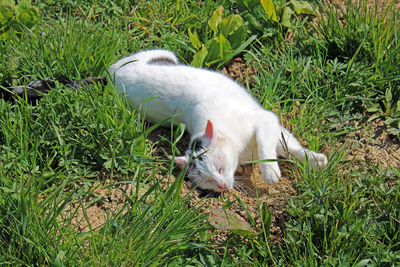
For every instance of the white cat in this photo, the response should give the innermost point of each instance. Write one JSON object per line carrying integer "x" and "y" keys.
{"x": 227, "y": 125}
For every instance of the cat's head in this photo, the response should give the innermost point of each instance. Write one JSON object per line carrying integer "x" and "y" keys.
{"x": 212, "y": 161}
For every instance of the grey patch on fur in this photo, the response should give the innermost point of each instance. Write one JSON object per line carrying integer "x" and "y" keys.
{"x": 197, "y": 145}
{"x": 162, "y": 61}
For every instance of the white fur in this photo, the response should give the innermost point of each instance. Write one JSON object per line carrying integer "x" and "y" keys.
{"x": 242, "y": 129}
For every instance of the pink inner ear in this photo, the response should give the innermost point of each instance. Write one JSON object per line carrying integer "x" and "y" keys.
{"x": 209, "y": 130}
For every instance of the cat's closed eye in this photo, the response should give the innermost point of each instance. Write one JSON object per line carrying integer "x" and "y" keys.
{"x": 198, "y": 145}
{"x": 193, "y": 165}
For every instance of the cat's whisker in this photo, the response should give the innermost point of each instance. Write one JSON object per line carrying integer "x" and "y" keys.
{"x": 239, "y": 188}
{"x": 243, "y": 188}
{"x": 249, "y": 189}
{"x": 242, "y": 178}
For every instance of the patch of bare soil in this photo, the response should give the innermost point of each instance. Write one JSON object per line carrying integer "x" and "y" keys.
{"x": 239, "y": 70}
{"x": 102, "y": 203}
{"x": 370, "y": 145}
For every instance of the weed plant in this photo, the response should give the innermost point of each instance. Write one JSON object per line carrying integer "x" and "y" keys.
{"x": 54, "y": 153}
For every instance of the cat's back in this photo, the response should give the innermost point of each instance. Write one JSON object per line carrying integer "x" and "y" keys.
{"x": 162, "y": 76}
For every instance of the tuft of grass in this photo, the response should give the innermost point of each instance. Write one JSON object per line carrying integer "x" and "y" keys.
{"x": 66, "y": 49}
{"x": 7, "y": 65}
{"x": 149, "y": 232}
{"x": 368, "y": 37}
{"x": 68, "y": 139}
{"x": 339, "y": 221}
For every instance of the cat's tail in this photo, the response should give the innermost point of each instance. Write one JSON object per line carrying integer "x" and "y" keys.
{"x": 289, "y": 146}
{"x": 147, "y": 57}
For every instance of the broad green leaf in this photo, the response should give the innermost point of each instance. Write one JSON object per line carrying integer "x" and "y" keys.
{"x": 213, "y": 51}
{"x": 6, "y": 14}
{"x": 245, "y": 4}
{"x": 194, "y": 39}
{"x": 286, "y": 17}
{"x": 58, "y": 262}
{"x": 269, "y": 9}
{"x": 398, "y": 106}
{"x": 224, "y": 46}
{"x": 392, "y": 121}
{"x": 29, "y": 17}
{"x": 394, "y": 131}
{"x": 238, "y": 37}
{"x": 3, "y": 37}
{"x": 253, "y": 23}
{"x": 216, "y": 19}
{"x": 251, "y": 4}
{"x": 7, "y": 35}
{"x": 218, "y": 47}
{"x": 199, "y": 57}
{"x": 302, "y": 7}
{"x": 374, "y": 116}
{"x": 363, "y": 263}
{"x": 227, "y": 220}
{"x": 374, "y": 107}
{"x": 231, "y": 24}
{"x": 388, "y": 96}
{"x": 237, "y": 50}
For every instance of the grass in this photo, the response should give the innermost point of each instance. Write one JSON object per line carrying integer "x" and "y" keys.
{"x": 53, "y": 154}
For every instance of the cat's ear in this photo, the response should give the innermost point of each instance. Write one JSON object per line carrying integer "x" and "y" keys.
{"x": 181, "y": 162}
{"x": 209, "y": 130}
{"x": 209, "y": 136}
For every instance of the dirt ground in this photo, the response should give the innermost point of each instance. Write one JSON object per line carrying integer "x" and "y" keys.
{"x": 369, "y": 144}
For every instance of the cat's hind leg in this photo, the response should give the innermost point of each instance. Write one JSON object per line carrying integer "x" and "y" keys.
{"x": 288, "y": 145}
{"x": 267, "y": 135}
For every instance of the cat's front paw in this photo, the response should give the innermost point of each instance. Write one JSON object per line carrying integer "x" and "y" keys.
{"x": 318, "y": 159}
{"x": 270, "y": 172}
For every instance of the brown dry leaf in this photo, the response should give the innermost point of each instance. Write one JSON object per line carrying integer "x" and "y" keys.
{"x": 222, "y": 219}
